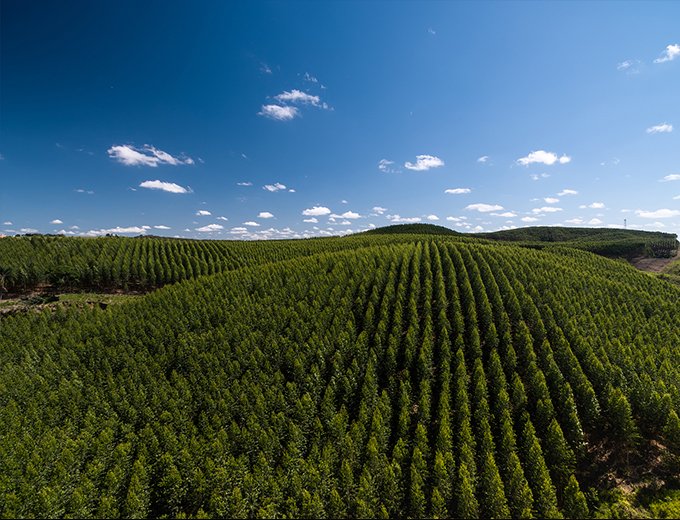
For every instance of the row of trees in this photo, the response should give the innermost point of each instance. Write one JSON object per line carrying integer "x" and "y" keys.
{"x": 408, "y": 378}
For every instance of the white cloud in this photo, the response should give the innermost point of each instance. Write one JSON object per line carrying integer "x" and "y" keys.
{"x": 203, "y": 212}
{"x": 567, "y": 192}
{"x": 274, "y": 187}
{"x": 56, "y": 221}
{"x": 165, "y": 186}
{"x": 278, "y": 113}
{"x": 546, "y": 209}
{"x": 659, "y": 213}
{"x": 210, "y": 228}
{"x": 507, "y": 214}
{"x": 251, "y": 223}
{"x": 596, "y": 205}
{"x": 222, "y": 218}
{"x": 453, "y": 219}
{"x": 529, "y": 219}
{"x": 671, "y": 177}
{"x": 544, "y": 157}
{"x": 656, "y": 224}
{"x": 483, "y": 159}
{"x": 307, "y": 77}
{"x": 244, "y": 183}
{"x": 296, "y": 96}
{"x": 291, "y": 191}
{"x": 624, "y": 65}
{"x": 161, "y": 227}
{"x": 239, "y": 230}
{"x": 312, "y": 220}
{"x": 660, "y": 128}
{"x": 118, "y": 229}
{"x": 594, "y": 221}
{"x": 379, "y": 210}
{"x": 265, "y": 68}
{"x": 550, "y": 200}
{"x": 484, "y": 207}
{"x": 316, "y": 211}
{"x": 265, "y": 214}
{"x": 675, "y": 198}
{"x": 397, "y": 218}
{"x": 671, "y": 52}
{"x": 146, "y": 156}
{"x": 30, "y": 230}
{"x": 458, "y": 191}
{"x": 384, "y": 165}
{"x": 432, "y": 217}
{"x": 350, "y": 214}
{"x": 575, "y": 221}
{"x": 424, "y": 162}
{"x": 8, "y": 223}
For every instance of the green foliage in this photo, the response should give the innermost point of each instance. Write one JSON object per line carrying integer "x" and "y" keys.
{"x": 369, "y": 376}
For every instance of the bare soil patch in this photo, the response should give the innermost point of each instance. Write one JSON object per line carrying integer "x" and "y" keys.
{"x": 652, "y": 265}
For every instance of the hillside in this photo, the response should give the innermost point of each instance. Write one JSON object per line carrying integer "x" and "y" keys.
{"x": 359, "y": 377}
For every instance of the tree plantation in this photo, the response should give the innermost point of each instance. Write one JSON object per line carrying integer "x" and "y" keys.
{"x": 370, "y": 376}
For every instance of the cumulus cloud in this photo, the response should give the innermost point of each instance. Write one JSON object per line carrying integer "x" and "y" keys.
{"x": 458, "y": 191}
{"x": 350, "y": 214}
{"x": 145, "y": 156}
{"x": 251, "y": 223}
{"x": 278, "y": 113}
{"x": 541, "y": 156}
{"x": 379, "y": 210}
{"x": 8, "y": 223}
{"x": 484, "y": 207}
{"x": 222, "y": 218}
{"x": 575, "y": 221}
{"x": 210, "y": 228}
{"x": 316, "y": 211}
{"x": 671, "y": 177}
{"x": 161, "y": 227}
{"x": 546, "y": 209}
{"x": 424, "y": 163}
{"x": 56, "y": 221}
{"x": 119, "y": 230}
{"x": 164, "y": 186}
{"x": 529, "y": 219}
{"x": 483, "y": 159}
{"x": 659, "y": 213}
{"x": 594, "y": 221}
{"x": 596, "y": 205}
{"x": 550, "y": 200}
{"x": 295, "y": 96}
{"x": 312, "y": 220}
{"x": 660, "y": 128}
{"x": 671, "y": 52}
{"x": 397, "y": 218}
{"x": 507, "y": 214}
{"x": 203, "y": 212}
{"x": 265, "y": 214}
{"x": 432, "y": 217}
{"x": 567, "y": 192}
{"x": 274, "y": 187}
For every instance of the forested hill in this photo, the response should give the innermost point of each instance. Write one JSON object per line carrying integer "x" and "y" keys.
{"x": 408, "y": 377}
{"x": 413, "y": 229}
{"x": 569, "y": 234}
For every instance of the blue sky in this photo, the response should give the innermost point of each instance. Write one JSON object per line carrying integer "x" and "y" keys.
{"x": 240, "y": 120}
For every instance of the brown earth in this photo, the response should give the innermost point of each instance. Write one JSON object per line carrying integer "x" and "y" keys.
{"x": 652, "y": 265}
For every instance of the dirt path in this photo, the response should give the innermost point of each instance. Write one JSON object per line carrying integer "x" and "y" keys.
{"x": 652, "y": 265}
